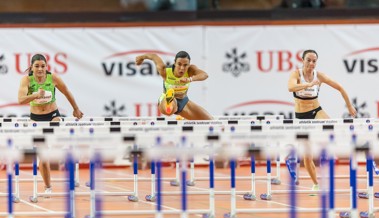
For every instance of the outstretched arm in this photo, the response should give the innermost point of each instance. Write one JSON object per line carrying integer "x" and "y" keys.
{"x": 196, "y": 74}
{"x": 61, "y": 86}
{"x": 159, "y": 64}
{"x": 293, "y": 86}
{"x": 325, "y": 79}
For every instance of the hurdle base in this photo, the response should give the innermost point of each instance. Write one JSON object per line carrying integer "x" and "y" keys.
{"x": 175, "y": 183}
{"x": 207, "y": 215}
{"x": 266, "y": 197}
{"x": 365, "y": 214}
{"x": 150, "y": 198}
{"x": 276, "y": 181}
{"x": 190, "y": 183}
{"x": 33, "y": 199}
{"x": 133, "y": 198}
{"x": 363, "y": 195}
{"x": 250, "y": 197}
{"x": 348, "y": 214}
{"x": 15, "y": 199}
{"x": 229, "y": 215}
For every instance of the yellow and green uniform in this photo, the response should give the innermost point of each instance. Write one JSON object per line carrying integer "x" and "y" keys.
{"x": 48, "y": 86}
{"x": 173, "y": 82}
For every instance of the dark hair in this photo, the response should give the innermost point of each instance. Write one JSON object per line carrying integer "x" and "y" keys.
{"x": 309, "y": 51}
{"x": 36, "y": 57}
{"x": 181, "y": 54}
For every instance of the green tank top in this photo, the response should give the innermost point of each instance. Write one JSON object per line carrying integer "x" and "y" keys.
{"x": 173, "y": 82}
{"x": 48, "y": 86}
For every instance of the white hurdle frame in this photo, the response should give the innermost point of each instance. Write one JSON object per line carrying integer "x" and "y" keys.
{"x": 336, "y": 210}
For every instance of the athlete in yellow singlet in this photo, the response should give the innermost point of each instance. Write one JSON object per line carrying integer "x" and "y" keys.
{"x": 174, "y": 99}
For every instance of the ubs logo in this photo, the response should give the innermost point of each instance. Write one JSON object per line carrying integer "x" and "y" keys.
{"x": 235, "y": 64}
{"x": 56, "y": 62}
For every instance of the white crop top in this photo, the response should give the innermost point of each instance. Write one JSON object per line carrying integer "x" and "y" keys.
{"x": 310, "y": 92}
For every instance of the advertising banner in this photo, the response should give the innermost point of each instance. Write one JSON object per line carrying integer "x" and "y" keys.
{"x": 248, "y": 67}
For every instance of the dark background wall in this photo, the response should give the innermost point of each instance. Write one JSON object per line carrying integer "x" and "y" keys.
{"x": 137, "y": 11}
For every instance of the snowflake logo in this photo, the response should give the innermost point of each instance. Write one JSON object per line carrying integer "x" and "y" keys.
{"x": 359, "y": 108}
{"x": 114, "y": 110}
{"x": 236, "y": 66}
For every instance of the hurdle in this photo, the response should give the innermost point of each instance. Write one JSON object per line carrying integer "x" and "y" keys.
{"x": 362, "y": 128}
{"x": 237, "y": 210}
{"x": 116, "y": 129}
{"x": 234, "y": 211}
{"x": 137, "y": 119}
{"x": 261, "y": 119}
{"x": 303, "y": 210}
{"x": 31, "y": 140}
{"x": 285, "y": 210}
{"x": 155, "y": 153}
{"x": 133, "y": 130}
{"x": 12, "y": 156}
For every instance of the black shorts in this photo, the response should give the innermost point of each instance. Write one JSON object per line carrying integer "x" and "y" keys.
{"x": 45, "y": 117}
{"x": 308, "y": 115}
{"x": 181, "y": 103}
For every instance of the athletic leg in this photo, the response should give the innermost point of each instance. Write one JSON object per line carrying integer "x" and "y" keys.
{"x": 310, "y": 167}
{"x": 44, "y": 166}
{"x": 167, "y": 104}
{"x": 163, "y": 107}
{"x": 193, "y": 111}
{"x": 308, "y": 158}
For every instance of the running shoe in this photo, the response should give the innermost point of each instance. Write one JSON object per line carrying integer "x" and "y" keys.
{"x": 178, "y": 117}
{"x": 170, "y": 93}
{"x": 48, "y": 192}
{"x": 314, "y": 188}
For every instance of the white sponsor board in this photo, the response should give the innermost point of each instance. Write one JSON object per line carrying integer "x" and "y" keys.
{"x": 248, "y": 66}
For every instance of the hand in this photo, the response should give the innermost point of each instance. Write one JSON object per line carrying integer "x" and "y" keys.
{"x": 185, "y": 80}
{"x": 139, "y": 60}
{"x": 40, "y": 93}
{"x": 77, "y": 113}
{"x": 352, "y": 111}
{"x": 314, "y": 82}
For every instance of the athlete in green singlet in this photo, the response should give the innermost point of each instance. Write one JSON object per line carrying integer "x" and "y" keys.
{"x": 176, "y": 81}
{"x": 38, "y": 89}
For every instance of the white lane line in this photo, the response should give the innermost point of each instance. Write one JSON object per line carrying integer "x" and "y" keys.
{"x": 36, "y": 206}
